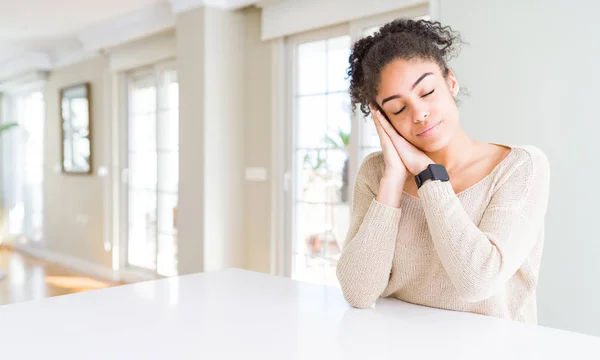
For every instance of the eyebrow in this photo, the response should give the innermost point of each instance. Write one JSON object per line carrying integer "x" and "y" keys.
{"x": 412, "y": 88}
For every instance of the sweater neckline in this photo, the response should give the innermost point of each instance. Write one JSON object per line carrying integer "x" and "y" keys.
{"x": 483, "y": 180}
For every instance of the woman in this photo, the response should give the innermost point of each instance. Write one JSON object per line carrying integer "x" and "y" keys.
{"x": 465, "y": 233}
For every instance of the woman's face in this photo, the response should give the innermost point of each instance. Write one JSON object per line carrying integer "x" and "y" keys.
{"x": 419, "y": 102}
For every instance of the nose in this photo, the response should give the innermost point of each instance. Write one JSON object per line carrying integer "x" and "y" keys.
{"x": 422, "y": 118}
{"x": 420, "y": 114}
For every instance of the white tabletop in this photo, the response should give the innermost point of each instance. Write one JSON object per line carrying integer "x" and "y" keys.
{"x": 235, "y": 314}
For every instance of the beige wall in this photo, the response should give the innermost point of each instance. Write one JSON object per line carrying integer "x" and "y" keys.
{"x": 225, "y": 245}
{"x": 72, "y": 200}
{"x": 190, "y": 67}
{"x": 257, "y": 143}
{"x": 210, "y": 60}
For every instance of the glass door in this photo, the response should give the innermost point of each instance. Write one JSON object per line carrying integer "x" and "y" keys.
{"x": 152, "y": 173}
{"x": 320, "y": 156}
{"x": 326, "y": 143}
{"x": 23, "y": 165}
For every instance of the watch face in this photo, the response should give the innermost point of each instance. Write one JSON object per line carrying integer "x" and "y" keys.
{"x": 439, "y": 172}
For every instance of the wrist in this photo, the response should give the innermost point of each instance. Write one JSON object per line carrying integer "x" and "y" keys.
{"x": 390, "y": 190}
{"x": 432, "y": 172}
{"x": 391, "y": 179}
{"x": 422, "y": 166}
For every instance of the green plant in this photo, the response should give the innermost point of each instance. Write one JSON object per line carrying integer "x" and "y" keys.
{"x": 5, "y": 127}
{"x": 339, "y": 140}
{"x": 316, "y": 164}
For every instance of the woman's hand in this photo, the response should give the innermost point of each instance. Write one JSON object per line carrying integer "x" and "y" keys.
{"x": 391, "y": 184}
{"x": 414, "y": 159}
{"x": 394, "y": 167}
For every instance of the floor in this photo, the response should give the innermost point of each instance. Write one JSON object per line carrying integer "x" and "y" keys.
{"x": 31, "y": 279}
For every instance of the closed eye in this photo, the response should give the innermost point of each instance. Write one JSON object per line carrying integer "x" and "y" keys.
{"x": 429, "y": 93}
{"x": 401, "y": 110}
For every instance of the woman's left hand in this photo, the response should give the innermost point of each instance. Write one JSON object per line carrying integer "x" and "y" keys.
{"x": 414, "y": 159}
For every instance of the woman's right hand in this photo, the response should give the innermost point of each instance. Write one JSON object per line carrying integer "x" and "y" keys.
{"x": 392, "y": 183}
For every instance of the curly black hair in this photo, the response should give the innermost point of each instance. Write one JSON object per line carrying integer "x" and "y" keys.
{"x": 401, "y": 39}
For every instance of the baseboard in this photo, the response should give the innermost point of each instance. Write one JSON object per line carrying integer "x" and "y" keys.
{"x": 84, "y": 266}
{"x": 70, "y": 262}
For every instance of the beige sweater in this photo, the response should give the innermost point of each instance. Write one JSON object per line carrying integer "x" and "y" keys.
{"x": 477, "y": 251}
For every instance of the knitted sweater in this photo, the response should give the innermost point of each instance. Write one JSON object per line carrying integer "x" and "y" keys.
{"x": 477, "y": 251}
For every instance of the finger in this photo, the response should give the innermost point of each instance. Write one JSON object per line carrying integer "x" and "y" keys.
{"x": 386, "y": 125}
{"x": 384, "y": 138}
{"x": 380, "y": 122}
{"x": 382, "y": 134}
{"x": 399, "y": 142}
{"x": 374, "y": 115}
{"x": 380, "y": 130}
{"x": 373, "y": 110}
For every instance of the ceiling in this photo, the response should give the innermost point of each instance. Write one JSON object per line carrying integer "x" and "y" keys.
{"x": 41, "y": 25}
{"x": 45, "y": 34}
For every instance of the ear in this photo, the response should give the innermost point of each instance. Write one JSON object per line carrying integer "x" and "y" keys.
{"x": 452, "y": 83}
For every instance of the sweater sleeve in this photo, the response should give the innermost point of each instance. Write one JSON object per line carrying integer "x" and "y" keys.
{"x": 364, "y": 267}
{"x": 480, "y": 259}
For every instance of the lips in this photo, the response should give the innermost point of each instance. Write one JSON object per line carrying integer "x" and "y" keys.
{"x": 430, "y": 130}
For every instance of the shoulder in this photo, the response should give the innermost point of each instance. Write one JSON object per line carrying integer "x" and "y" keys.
{"x": 532, "y": 159}
{"x": 525, "y": 167}
{"x": 373, "y": 161}
{"x": 371, "y": 170}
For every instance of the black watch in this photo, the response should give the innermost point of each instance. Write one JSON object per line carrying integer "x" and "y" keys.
{"x": 433, "y": 172}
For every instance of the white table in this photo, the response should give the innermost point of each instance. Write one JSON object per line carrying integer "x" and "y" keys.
{"x": 235, "y": 314}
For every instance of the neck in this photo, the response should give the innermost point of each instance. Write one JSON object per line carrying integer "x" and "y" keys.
{"x": 453, "y": 155}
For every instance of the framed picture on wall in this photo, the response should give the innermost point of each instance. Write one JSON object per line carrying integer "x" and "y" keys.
{"x": 76, "y": 124}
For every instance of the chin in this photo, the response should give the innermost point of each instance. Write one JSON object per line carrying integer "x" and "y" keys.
{"x": 432, "y": 148}
{"x": 433, "y": 144}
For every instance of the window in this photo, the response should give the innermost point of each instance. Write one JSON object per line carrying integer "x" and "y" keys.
{"x": 152, "y": 159}
{"x": 326, "y": 144}
{"x": 320, "y": 156}
{"x": 23, "y": 165}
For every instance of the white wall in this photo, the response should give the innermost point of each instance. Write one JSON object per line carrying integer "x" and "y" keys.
{"x": 532, "y": 72}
